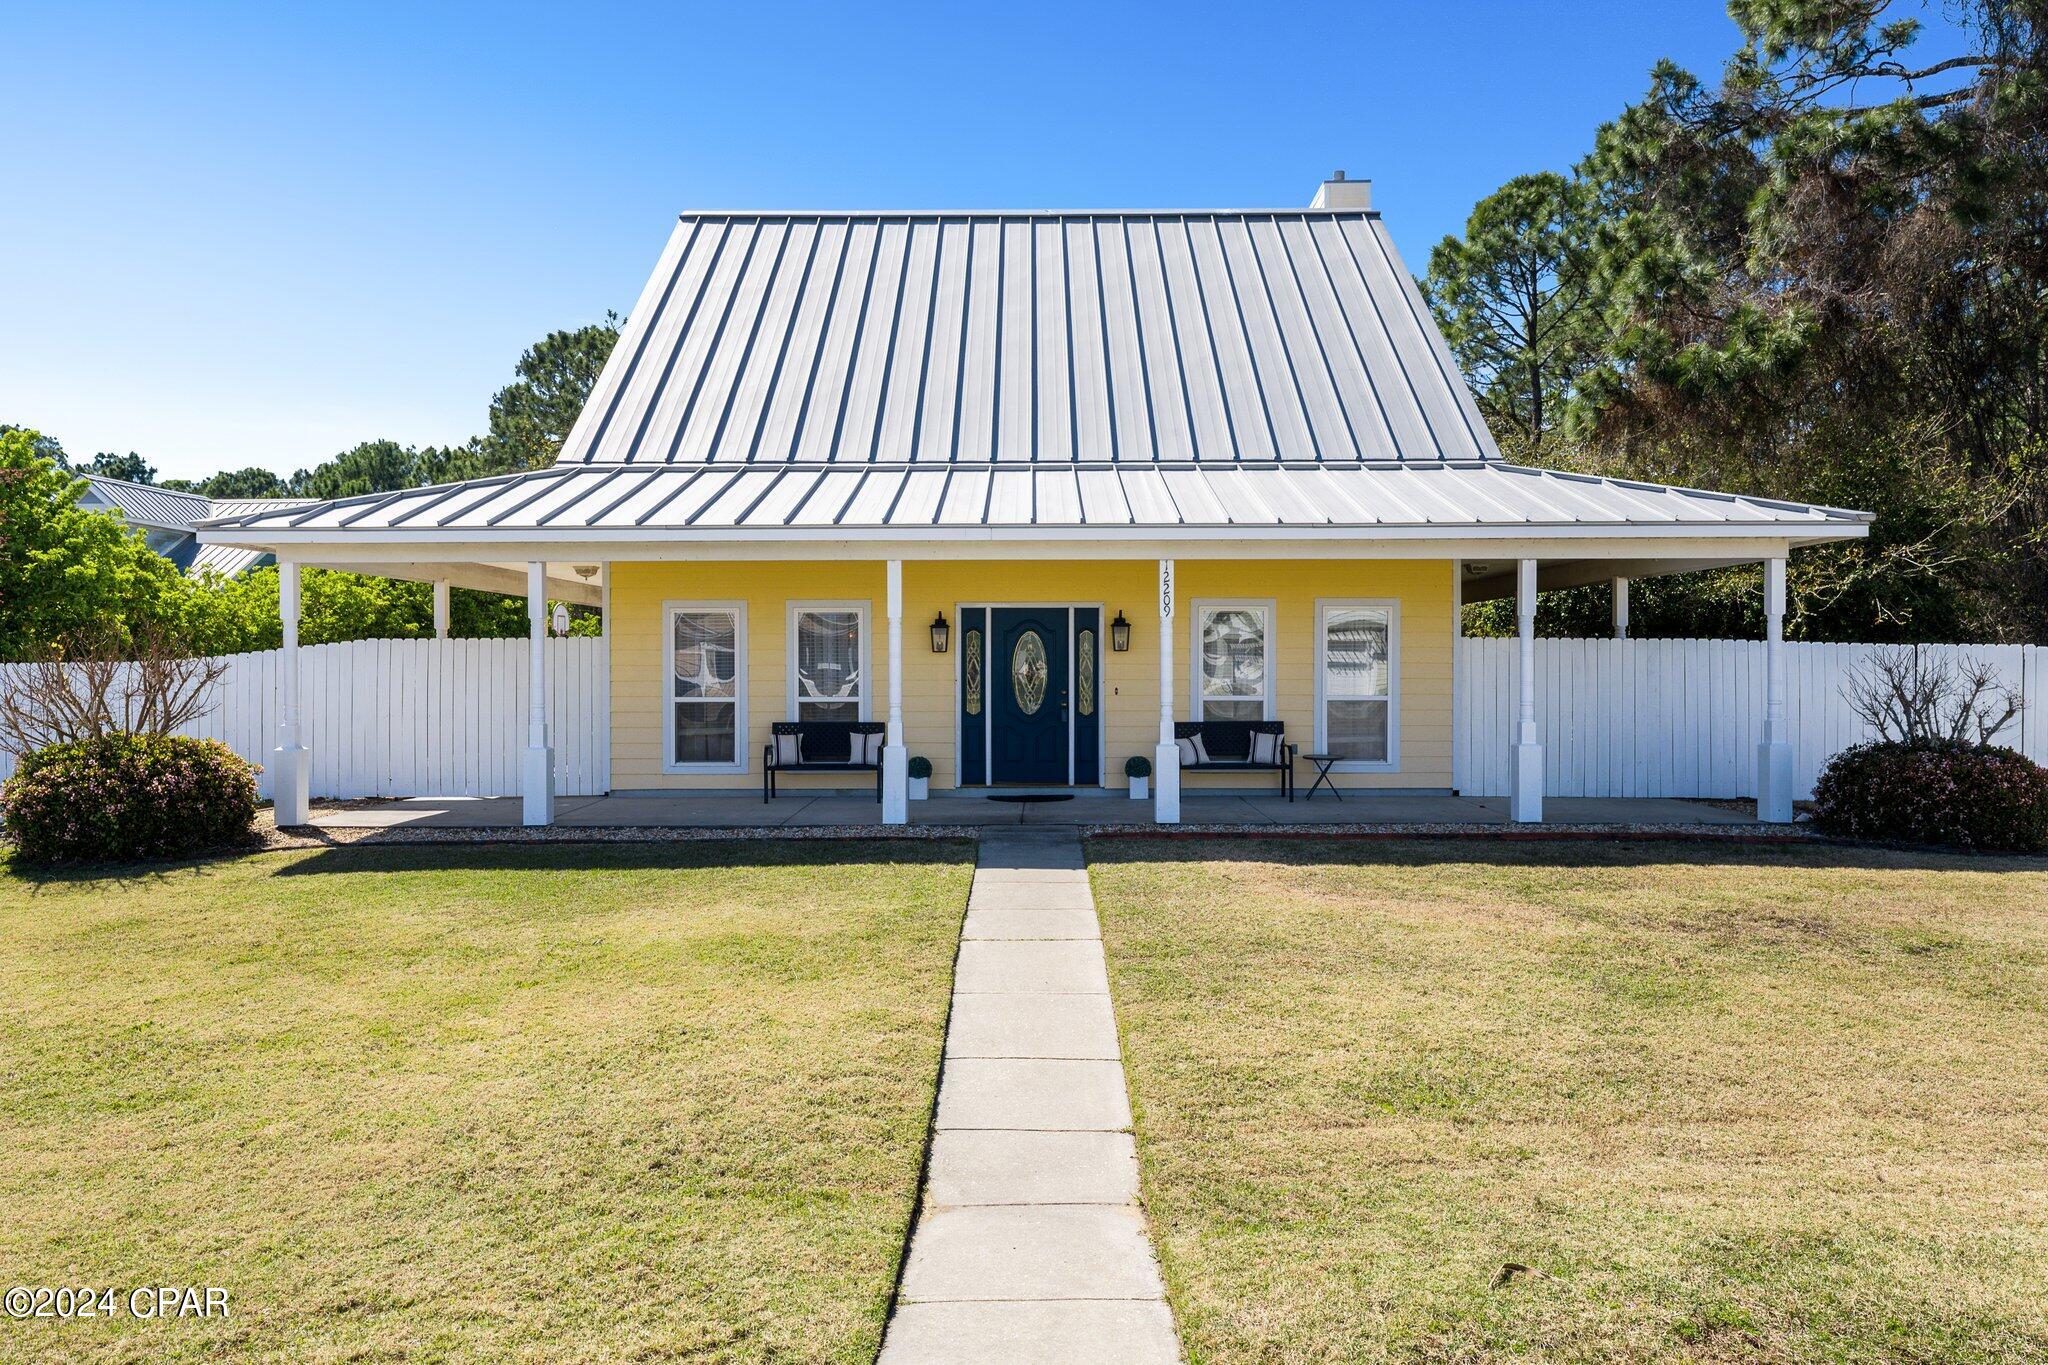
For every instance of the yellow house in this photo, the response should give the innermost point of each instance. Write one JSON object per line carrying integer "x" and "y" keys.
{"x": 1031, "y": 495}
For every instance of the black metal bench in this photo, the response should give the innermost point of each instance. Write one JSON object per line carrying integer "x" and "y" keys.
{"x": 822, "y": 746}
{"x": 1229, "y": 746}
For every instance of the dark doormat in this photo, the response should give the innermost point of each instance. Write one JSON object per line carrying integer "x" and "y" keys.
{"x": 1033, "y": 798}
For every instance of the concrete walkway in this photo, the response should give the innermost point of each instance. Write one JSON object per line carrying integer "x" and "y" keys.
{"x": 1030, "y": 1245}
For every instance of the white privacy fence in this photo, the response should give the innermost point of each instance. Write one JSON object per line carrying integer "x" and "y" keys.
{"x": 1618, "y": 717}
{"x": 417, "y": 717}
{"x": 1684, "y": 717}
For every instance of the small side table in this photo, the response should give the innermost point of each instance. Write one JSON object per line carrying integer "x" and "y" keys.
{"x": 1323, "y": 762}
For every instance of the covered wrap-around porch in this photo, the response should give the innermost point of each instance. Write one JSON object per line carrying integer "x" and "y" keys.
{"x": 914, "y": 678}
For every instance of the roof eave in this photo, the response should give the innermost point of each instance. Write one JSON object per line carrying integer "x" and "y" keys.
{"x": 1800, "y": 532}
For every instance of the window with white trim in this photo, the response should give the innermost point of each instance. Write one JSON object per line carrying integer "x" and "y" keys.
{"x": 1233, "y": 673}
{"x": 828, "y": 675}
{"x": 1357, "y": 674}
{"x": 707, "y": 686}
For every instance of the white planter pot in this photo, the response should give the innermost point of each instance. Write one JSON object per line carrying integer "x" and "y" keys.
{"x": 1141, "y": 788}
{"x": 920, "y": 788}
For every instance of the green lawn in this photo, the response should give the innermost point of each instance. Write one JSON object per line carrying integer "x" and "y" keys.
{"x": 1724, "y": 1103}
{"x": 589, "y": 1103}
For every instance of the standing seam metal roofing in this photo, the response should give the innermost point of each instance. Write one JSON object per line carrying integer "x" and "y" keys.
{"x": 172, "y": 509}
{"x": 1246, "y": 335}
{"x": 147, "y": 505}
{"x": 786, "y": 498}
{"x": 1213, "y": 373}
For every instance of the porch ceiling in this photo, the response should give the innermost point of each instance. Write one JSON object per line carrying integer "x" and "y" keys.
{"x": 1486, "y": 580}
{"x": 564, "y": 585}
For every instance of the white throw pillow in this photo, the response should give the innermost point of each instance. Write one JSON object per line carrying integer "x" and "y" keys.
{"x": 871, "y": 747}
{"x": 788, "y": 750}
{"x": 1192, "y": 750}
{"x": 1265, "y": 748}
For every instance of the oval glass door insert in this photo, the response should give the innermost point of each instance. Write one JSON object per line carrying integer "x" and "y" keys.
{"x": 1028, "y": 672}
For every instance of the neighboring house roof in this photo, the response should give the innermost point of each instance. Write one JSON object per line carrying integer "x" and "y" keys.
{"x": 1292, "y": 334}
{"x": 1437, "y": 497}
{"x": 171, "y": 510}
{"x": 147, "y": 505}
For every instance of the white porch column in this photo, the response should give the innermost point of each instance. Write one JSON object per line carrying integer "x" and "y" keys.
{"x": 291, "y": 763}
{"x": 1621, "y": 608}
{"x": 1525, "y": 802}
{"x": 440, "y": 609}
{"x": 1774, "y": 755}
{"x": 1166, "y": 758}
{"x": 895, "y": 757}
{"x": 537, "y": 768}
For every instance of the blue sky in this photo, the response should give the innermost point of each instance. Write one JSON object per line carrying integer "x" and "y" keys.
{"x": 258, "y": 235}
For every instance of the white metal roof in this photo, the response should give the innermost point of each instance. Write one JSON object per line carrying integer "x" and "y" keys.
{"x": 171, "y": 509}
{"x": 1238, "y": 374}
{"x": 229, "y": 561}
{"x": 143, "y": 504}
{"x": 791, "y": 500}
{"x": 934, "y": 338}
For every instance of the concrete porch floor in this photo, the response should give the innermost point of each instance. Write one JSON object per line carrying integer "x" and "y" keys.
{"x": 741, "y": 810}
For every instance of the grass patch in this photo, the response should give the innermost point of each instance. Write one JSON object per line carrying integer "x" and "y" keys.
{"x": 460, "y": 1102}
{"x": 1722, "y": 1103}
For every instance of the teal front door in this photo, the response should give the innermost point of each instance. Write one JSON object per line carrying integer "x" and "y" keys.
{"x": 1029, "y": 739}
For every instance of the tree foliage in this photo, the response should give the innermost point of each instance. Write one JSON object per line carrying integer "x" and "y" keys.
{"x": 43, "y": 447}
{"x": 531, "y": 417}
{"x": 1515, "y": 299}
{"x": 384, "y": 466}
{"x": 65, "y": 570}
{"x": 131, "y": 467}
{"x": 252, "y": 482}
{"x": 1826, "y": 279}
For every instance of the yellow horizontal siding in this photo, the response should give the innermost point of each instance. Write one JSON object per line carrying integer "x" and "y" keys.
{"x": 1129, "y": 681}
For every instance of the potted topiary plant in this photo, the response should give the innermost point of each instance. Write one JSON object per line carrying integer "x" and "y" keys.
{"x": 920, "y": 770}
{"x": 1139, "y": 769}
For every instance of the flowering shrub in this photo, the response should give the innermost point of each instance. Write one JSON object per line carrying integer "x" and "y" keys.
{"x": 126, "y": 796}
{"x": 1969, "y": 796}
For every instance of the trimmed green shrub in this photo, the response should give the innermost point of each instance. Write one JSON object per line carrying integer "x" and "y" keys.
{"x": 919, "y": 766}
{"x": 123, "y": 797}
{"x": 1137, "y": 765}
{"x": 1976, "y": 797}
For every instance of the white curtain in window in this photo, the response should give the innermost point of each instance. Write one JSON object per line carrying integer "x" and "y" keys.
{"x": 1233, "y": 664}
{"x": 1356, "y": 682}
{"x": 706, "y": 686}
{"x": 829, "y": 685}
